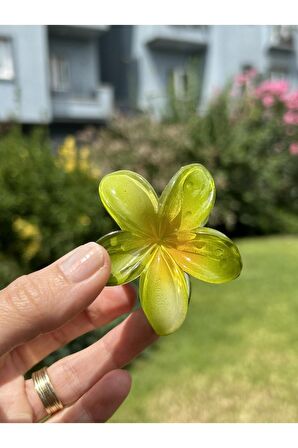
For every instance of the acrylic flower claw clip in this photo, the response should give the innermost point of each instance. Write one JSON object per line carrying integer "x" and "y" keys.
{"x": 162, "y": 240}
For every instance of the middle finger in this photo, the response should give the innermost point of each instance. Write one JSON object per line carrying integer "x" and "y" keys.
{"x": 73, "y": 375}
{"x": 112, "y": 302}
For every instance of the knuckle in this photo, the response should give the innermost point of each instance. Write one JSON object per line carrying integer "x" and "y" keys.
{"x": 23, "y": 295}
{"x": 31, "y": 296}
{"x": 59, "y": 336}
{"x": 85, "y": 414}
{"x": 93, "y": 317}
{"x": 110, "y": 353}
{"x": 72, "y": 380}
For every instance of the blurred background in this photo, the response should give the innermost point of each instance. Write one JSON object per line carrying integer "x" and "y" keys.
{"x": 77, "y": 102}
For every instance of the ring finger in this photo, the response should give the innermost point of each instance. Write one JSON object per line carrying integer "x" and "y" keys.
{"x": 99, "y": 403}
{"x": 74, "y": 375}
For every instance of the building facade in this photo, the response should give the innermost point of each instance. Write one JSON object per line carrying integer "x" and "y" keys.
{"x": 149, "y": 58}
{"x": 50, "y": 74}
{"x": 78, "y": 74}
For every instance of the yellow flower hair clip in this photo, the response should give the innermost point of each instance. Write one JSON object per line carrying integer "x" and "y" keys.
{"x": 163, "y": 239}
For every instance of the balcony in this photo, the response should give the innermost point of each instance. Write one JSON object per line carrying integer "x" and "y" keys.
{"x": 183, "y": 38}
{"x": 281, "y": 38}
{"x": 77, "y": 30}
{"x": 79, "y": 109}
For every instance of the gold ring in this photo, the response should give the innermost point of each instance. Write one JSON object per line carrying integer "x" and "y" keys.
{"x": 46, "y": 392}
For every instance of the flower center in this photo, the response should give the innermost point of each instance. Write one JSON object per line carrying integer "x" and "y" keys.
{"x": 159, "y": 241}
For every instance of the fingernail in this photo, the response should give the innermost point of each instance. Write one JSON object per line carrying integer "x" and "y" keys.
{"x": 83, "y": 262}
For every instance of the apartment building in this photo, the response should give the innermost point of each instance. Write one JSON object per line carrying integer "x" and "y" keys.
{"x": 50, "y": 74}
{"x": 79, "y": 74}
{"x": 147, "y": 58}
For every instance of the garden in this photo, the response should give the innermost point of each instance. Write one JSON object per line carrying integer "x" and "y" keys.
{"x": 234, "y": 357}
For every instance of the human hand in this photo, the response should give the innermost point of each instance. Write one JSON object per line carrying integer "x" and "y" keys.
{"x": 45, "y": 310}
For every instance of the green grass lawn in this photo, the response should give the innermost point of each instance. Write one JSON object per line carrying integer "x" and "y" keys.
{"x": 235, "y": 359}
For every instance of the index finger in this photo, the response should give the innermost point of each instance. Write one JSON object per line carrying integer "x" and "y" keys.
{"x": 40, "y": 302}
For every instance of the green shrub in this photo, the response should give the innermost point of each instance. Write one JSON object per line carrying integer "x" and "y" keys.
{"x": 246, "y": 144}
{"x": 246, "y": 147}
{"x": 48, "y": 204}
{"x": 153, "y": 149}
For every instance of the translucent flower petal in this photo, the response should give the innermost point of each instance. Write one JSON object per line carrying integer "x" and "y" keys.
{"x": 164, "y": 292}
{"x": 207, "y": 255}
{"x": 188, "y": 199}
{"x": 128, "y": 253}
{"x": 130, "y": 200}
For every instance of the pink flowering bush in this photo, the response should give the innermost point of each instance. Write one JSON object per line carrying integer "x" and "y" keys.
{"x": 245, "y": 136}
{"x": 274, "y": 94}
{"x": 248, "y": 138}
{"x": 278, "y": 93}
{"x": 275, "y": 89}
{"x": 291, "y": 117}
{"x": 291, "y": 100}
{"x": 268, "y": 100}
{"x": 243, "y": 79}
{"x": 294, "y": 148}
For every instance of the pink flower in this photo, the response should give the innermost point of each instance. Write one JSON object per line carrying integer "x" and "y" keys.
{"x": 251, "y": 73}
{"x": 290, "y": 117}
{"x": 241, "y": 79}
{"x": 244, "y": 78}
{"x": 291, "y": 100}
{"x": 268, "y": 100}
{"x": 274, "y": 88}
{"x": 294, "y": 148}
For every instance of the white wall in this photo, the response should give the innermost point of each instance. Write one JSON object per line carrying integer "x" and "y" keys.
{"x": 26, "y": 98}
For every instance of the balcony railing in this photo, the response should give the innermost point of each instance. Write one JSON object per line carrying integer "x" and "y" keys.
{"x": 191, "y": 27}
{"x": 71, "y": 108}
{"x": 185, "y": 38}
{"x": 77, "y": 30}
{"x": 282, "y": 38}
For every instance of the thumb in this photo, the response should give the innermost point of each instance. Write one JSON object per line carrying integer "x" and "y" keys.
{"x": 44, "y": 300}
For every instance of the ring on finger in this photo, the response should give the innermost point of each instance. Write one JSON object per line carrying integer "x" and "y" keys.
{"x": 46, "y": 391}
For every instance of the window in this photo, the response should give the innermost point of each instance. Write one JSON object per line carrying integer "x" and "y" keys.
{"x": 282, "y": 36}
{"x": 6, "y": 60}
{"x": 180, "y": 83}
{"x": 247, "y": 68}
{"x": 191, "y": 27}
{"x": 60, "y": 78}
